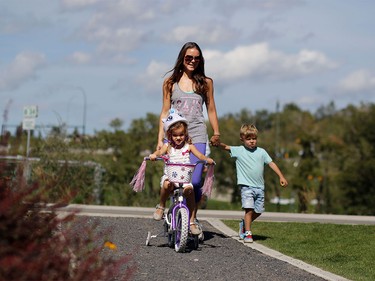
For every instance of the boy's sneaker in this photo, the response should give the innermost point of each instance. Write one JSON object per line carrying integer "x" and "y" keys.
{"x": 248, "y": 237}
{"x": 241, "y": 231}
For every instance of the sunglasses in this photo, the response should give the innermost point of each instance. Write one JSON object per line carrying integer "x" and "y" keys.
{"x": 189, "y": 58}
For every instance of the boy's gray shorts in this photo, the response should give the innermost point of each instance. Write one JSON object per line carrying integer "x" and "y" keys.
{"x": 252, "y": 198}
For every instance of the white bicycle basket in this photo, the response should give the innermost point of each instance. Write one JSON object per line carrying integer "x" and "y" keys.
{"x": 179, "y": 173}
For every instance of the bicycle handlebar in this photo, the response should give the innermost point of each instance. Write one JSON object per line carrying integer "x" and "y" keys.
{"x": 165, "y": 160}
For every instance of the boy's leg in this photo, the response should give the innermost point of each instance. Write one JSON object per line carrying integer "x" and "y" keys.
{"x": 247, "y": 219}
{"x": 248, "y": 236}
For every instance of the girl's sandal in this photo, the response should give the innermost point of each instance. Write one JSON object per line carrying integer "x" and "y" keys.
{"x": 158, "y": 215}
{"x": 195, "y": 230}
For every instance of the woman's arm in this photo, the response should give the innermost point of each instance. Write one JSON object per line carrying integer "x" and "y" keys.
{"x": 163, "y": 114}
{"x": 212, "y": 114}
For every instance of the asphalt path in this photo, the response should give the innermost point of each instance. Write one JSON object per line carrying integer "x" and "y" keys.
{"x": 220, "y": 257}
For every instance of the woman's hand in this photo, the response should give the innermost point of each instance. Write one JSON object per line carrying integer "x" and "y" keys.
{"x": 215, "y": 140}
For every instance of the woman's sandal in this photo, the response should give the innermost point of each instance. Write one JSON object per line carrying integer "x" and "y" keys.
{"x": 157, "y": 214}
{"x": 196, "y": 230}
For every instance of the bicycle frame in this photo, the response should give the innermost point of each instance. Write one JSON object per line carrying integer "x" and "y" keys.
{"x": 178, "y": 203}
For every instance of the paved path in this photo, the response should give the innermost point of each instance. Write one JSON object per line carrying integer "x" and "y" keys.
{"x": 213, "y": 218}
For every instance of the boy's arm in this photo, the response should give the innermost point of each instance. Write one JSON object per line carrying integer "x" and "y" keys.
{"x": 283, "y": 181}
{"x": 224, "y": 146}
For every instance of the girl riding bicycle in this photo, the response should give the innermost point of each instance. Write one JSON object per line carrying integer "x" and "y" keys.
{"x": 177, "y": 149}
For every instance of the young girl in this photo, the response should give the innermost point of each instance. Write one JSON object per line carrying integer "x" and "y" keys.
{"x": 178, "y": 149}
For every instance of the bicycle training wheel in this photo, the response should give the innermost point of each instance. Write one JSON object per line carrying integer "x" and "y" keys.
{"x": 182, "y": 230}
{"x": 169, "y": 233}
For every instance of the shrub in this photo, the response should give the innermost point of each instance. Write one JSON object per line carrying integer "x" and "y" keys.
{"x": 38, "y": 244}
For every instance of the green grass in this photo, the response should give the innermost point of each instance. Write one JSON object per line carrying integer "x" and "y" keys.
{"x": 345, "y": 250}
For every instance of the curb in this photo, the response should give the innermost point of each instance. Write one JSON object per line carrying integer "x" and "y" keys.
{"x": 218, "y": 224}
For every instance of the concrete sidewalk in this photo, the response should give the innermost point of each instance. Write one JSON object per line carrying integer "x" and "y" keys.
{"x": 117, "y": 211}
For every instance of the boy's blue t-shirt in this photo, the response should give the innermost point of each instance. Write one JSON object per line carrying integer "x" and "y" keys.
{"x": 250, "y": 165}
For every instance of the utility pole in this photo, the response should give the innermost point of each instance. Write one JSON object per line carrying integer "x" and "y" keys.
{"x": 277, "y": 133}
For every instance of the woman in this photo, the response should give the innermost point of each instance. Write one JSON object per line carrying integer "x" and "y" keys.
{"x": 186, "y": 90}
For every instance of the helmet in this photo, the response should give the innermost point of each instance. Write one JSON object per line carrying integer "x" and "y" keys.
{"x": 173, "y": 118}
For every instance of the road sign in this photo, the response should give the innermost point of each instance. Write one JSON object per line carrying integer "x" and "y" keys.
{"x": 28, "y": 124}
{"x": 30, "y": 111}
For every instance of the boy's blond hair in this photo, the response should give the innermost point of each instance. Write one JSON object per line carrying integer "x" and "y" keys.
{"x": 248, "y": 131}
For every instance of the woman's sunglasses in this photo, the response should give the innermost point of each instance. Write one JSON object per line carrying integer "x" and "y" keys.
{"x": 189, "y": 59}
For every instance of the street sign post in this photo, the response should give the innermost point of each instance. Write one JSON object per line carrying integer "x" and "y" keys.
{"x": 30, "y": 113}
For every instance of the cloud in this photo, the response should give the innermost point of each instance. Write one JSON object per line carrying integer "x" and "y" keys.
{"x": 209, "y": 33}
{"x": 74, "y": 4}
{"x": 262, "y": 5}
{"x": 154, "y": 75}
{"x": 259, "y": 61}
{"x": 20, "y": 70}
{"x": 358, "y": 81}
{"x": 117, "y": 27}
{"x": 80, "y": 58}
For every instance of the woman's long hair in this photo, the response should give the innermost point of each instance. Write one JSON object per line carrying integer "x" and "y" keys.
{"x": 199, "y": 76}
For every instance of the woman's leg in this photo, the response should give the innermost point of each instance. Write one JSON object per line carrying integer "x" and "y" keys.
{"x": 197, "y": 174}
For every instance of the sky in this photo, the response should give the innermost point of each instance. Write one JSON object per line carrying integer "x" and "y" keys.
{"x": 86, "y": 62}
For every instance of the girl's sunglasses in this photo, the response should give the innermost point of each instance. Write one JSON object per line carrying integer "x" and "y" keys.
{"x": 189, "y": 59}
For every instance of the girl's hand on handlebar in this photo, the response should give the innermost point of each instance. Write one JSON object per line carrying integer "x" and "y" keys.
{"x": 210, "y": 161}
{"x": 152, "y": 157}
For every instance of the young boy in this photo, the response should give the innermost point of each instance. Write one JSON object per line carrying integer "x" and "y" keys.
{"x": 250, "y": 162}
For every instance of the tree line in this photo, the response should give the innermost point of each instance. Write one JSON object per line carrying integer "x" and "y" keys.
{"x": 327, "y": 157}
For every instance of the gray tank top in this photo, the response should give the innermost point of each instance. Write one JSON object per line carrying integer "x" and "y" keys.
{"x": 190, "y": 105}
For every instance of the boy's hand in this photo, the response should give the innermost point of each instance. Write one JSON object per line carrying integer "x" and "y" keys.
{"x": 283, "y": 182}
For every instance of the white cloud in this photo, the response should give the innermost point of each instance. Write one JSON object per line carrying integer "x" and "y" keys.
{"x": 154, "y": 75}
{"x": 209, "y": 33}
{"x": 358, "y": 81}
{"x": 80, "y": 58}
{"x": 73, "y": 4}
{"x": 22, "y": 69}
{"x": 260, "y": 62}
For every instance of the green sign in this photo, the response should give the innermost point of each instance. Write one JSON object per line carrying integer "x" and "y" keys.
{"x": 30, "y": 111}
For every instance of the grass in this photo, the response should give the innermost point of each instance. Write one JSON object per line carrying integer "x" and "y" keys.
{"x": 345, "y": 250}
{"x": 221, "y": 205}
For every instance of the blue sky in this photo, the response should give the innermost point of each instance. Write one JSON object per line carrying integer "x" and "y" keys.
{"x": 110, "y": 56}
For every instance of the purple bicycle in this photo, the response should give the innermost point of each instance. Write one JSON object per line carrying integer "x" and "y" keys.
{"x": 176, "y": 224}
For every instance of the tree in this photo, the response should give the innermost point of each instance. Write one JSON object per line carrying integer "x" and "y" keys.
{"x": 116, "y": 124}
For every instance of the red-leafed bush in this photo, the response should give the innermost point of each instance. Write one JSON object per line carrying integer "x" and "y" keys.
{"x": 38, "y": 244}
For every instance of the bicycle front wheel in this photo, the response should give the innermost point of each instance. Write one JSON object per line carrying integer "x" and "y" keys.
{"x": 182, "y": 230}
